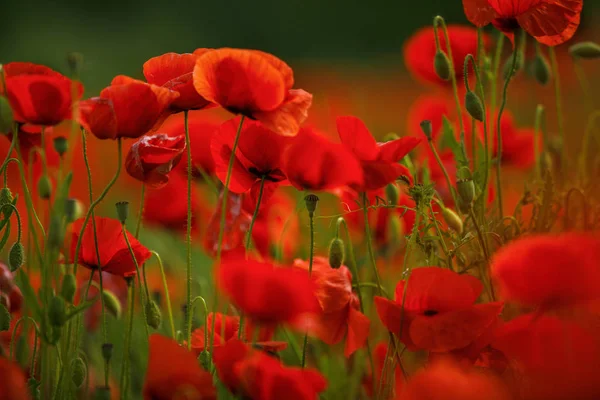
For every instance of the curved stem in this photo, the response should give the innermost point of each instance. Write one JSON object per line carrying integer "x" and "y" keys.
{"x": 445, "y": 172}
{"x": 310, "y": 266}
{"x": 167, "y": 295}
{"x": 191, "y": 312}
{"x": 539, "y": 114}
{"x": 140, "y": 211}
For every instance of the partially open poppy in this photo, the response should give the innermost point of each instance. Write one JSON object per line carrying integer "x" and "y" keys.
{"x": 313, "y": 162}
{"x": 379, "y": 161}
{"x": 127, "y": 108}
{"x": 183, "y": 378}
{"x": 39, "y": 95}
{"x": 439, "y": 312}
{"x": 550, "y": 22}
{"x": 152, "y": 157}
{"x": 174, "y": 71}
{"x": 255, "y": 84}
{"x": 532, "y": 270}
{"x": 115, "y": 257}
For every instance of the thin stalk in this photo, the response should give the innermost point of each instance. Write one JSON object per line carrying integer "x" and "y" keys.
{"x": 140, "y": 211}
{"x": 486, "y": 254}
{"x": 365, "y": 203}
{"x": 494, "y": 72}
{"x": 167, "y": 295}
{"x": 445, "y": 172}
{"x": 128, "y": 332}
{"x": 539, "y": 114}
{"x": 311, "y": 220}
{"x": 442, "y": 240}
{"x": 559, "y": 108}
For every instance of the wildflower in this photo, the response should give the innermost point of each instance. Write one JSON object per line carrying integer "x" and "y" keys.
{"x": 152, "y": 157}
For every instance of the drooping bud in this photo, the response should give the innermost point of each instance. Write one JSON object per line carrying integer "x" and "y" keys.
{"x": 112, "y": 303}
{"x": 392, "y": 193}
{"x": 57, "y": 311}
{"x": 541, "y": 69}
{"x": 22, "y": 350}
{"x": 16, "y": 256}
{"x": 336, "y": 253}
{"x": 61, "y": 145}
{"x": 44, "y": 187}
{"x": 122, "y": 211}
{"x": 6, "y": 197}
{"x": 153, "y": 314}
{"x": 427, "y": 129}
{"x": 73, "y": 209}
{"x": 474, "y": 105}
{"x": 506, "y": 70}
{"x": 452, "y": 219}
{"x": 68, "y": 287}
{"x": 78, "y": 372}
{"x": 4, "y": 318}
{"x": 441, "y": 65}
{"x": 586, "y": 50}
{"x": 56, "y": 233}
{"x": 466, "y": 190}
{"x": 311, "y": 203}
{"x": 6, "y": 116}
{"x": 107, "y": 350}
{"x": 102, "y": 393}
{"x": 205, "y": 361}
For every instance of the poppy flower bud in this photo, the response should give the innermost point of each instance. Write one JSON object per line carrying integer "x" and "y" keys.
{"x": 102, "y": 393}
{"x": 68, "y": 287}
{"x": 73, "y": 209}
{"x": 122, "y": 211}
{"x": 44, "y": 187}
{"x": 107, "y": 350}
{"x": 311, "y": 203}
{"x": 587, "y": 50}
{"x": 75, "y": 61}
{"x": 506, "y": 69}
{"x": 56, "y": 232}
{"x": 57, "y": 311}
{"x": 466, "y": 190}
{"x": 336, "y": 253}
{"x": 6, "y": 116}
{"x": 441, "y": 64}
{"x": 153, "y": 314}
{"x": 204, "y": 359}
{"x": 6, "y": 197}
{"x": 541, "y": 69}
{"x": 452, "y": 219}
{"x": 427, "y": 129}
{"x": 16, "y": 256}
{"x": 474, "y": 106}
{"x": 61, "y": 145}
{"x": 78, "y": 372}
{"x": 4, "y": 318}
{"x": 392, "y": 193}
{"x": 112, "y": 303}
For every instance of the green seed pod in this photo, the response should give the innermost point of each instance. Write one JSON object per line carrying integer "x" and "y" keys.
{"x": 68, "y": 287}
{"x": 311, "y": 203}
{"x": 4, "y": 318}
{"x": 541, "y": 69}
{"x": 466, "y": 191}
{"x": 78, "y": 372}
{"x": 112, "y": 303}
{"x": 506, "y": 69}
{"x": 6, "y": 116}
{"x": 153, "y": 314}
{"x": 6, "y": 197}
{"x": 122, "y": 211}
{"x": 61, "y": 145}
{"x": 16, "y": 256}
{"x": 56, "y": 233}
{"x": 474, "y": 106}
{"x": 57, "y": 311}
{"x": 44, "y": 187}
{"x": 452, "y": 219}
{"x": 392, "y": 193}
{"x": 586, "y": 50}
{"x": 336, "y": 253}
{"x": 427, "y": 129}
{"x": 441, "y": 65}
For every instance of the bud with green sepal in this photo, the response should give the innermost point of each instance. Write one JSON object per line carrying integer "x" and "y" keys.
{"x": 68, "y": 287}
{"x": 474, "y": 106}
{"x": 112, "y": 303}
{"x": 585, "y": 50}
{"x": 44, "y": 187}
{"x": 336, "y": 253}
{"x": 61, "y": 145}
{"x": 122, "y": 211}
{"x": 16, "y": 256}
{"x": 78, "y": 372}
{"x": 311, "y": 201}
{"x": 153, "y": 314}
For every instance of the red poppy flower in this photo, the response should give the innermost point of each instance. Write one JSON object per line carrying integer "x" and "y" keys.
{"x": 379, "y": 161}
{"x": 532, "y": 270}
{"x": 340, "y": 316}
{"x": 258, "y": 155}
{"x": 237, "y": 223}
{"x": 13, "y": 381}
{"x": 517, "y": 144}
{"x": 115, "y": 257}
{"x": 550, "y": 22}
{"x": 39, "y": 95}
{"x": 255, "y": 84}
{"x": 266, "y": 293}
{"x": 446, "y": 380}
{"x": 439, "y": 313}
{"x": 420, "y": 49}
{"x": 152, "y": 157}
{"x": 174, "y": 373}
{"x": 312, "y": 162}
{"x": 127, "y": 108}
{"x": 174, "y": 71}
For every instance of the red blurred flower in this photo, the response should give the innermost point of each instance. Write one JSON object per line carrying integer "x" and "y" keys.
{"x": 257, "y": 156}
{"x": 252, "y": 83}
{"x": 127, "y": 108}
{"x": 174, "y": 373}
{"x": 115, "y": 257}
{"x": 532, "y": 270}
{"x": 313, "y": 162}
{"x": 517, "y": 144}
{"x": 431, "y": 108}
{"x": 550, "y": 22}
{"x": 267, "y": 294}
{"x": 39, "y": 95}
{"x": 237, "y": 223}
{"x": 439, "y": 312}
{"x": 340, "y": 315}
{"x": 420, "y": 49}
{"x": 379, "y": 161}
{"x": 174, "y": 71}
{"x": 380, "y": 359}
{"x": 152, "y": 157}
{"x": 13, "y": 381}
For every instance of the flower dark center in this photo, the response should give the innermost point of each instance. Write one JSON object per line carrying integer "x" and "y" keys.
{"x": 430, "y": 313}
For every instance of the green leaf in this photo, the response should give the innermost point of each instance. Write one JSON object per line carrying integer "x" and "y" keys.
{"x": 449, "y": 141}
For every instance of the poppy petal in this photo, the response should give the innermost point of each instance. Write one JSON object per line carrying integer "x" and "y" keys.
{"x": 287, "y": 118}
{"x": 479, "y": 12}
{"x": 552, "y": 22}
{"x": 395, "y": 150}
{"x": 358, "y": 331}
{"x": 355, "y": 135}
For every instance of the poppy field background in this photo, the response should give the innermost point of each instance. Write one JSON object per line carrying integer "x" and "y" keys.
{"x": 444, "y": 294}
